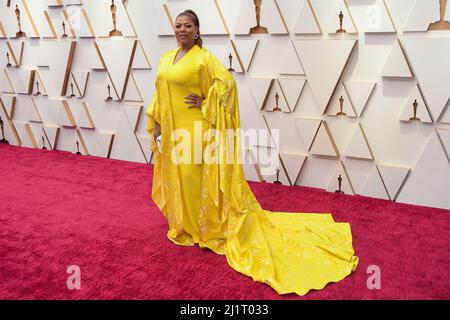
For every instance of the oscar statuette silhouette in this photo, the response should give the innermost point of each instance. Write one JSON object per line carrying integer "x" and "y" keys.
{"x": 442, "y": 24}
{"x": 258, "y": 28}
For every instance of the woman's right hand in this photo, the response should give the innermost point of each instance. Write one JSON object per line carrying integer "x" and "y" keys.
{"x": 157, "y": 131}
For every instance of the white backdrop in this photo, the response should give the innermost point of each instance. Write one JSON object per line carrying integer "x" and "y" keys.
{"x": 383, "y": 63}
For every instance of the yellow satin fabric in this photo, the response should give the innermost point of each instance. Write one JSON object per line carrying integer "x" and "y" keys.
{"x": 212, "y": 204}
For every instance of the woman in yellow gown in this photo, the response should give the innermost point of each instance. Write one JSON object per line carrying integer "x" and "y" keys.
{"x": 210, "y": 202}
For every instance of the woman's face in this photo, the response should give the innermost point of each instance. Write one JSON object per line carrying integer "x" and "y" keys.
{"x": 185, "y": 30}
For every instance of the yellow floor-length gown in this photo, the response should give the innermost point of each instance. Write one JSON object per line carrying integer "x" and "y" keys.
{"x": 211, "y": 204}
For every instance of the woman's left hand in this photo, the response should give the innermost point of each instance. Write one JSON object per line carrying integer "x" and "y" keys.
{"x": 194, "y": 100}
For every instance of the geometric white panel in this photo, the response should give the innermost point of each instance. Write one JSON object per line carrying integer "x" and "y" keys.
{"x": 446, "y": 117}
{"x": 444, "y": 136}
{"x": 371, "y": 16}
{"x": 429, "y": 182}
{"x": 347, "y": 21}
{"x": 359, "y": 93}
{"x": 396, "y": 65}
{"x": 342, "y": 130}
{"x": 6, "y": 85}
{"x": 245, "y": 49}
{"x": 374, "y": 186}
{"x": 117, "y": 55}
{"x": 359, "y": 172}
{"x": 8, "y": 102}
{"x": 97, "y": 142}
{"x": 270, "y": 18}
{"x": 126, "y": 146}
{"x": 132, "y": 92}
{"x": 293, "y": 164}
{"x": 100, "y": 17}
{"x": 323, "y": 143}
{"x": 429, "y": 59}
{"x": 207, "y": 13}
{"x": 323, "y": 62}
{"x": 422, "y": 111}
{"x": 423, "y": 13}
{"x": 80, "y": 79}
{"x": 306, "y": 22}
{"x": 259, "y": 88}
{"x": 307, "y": 129}
{"x": 272, "y": 103}
{"x": 292, "y": 89}
{"x": 335, "y": 104}
{"x": 140, "y": 60}
{"x": 358, "y": 146}
{"x": 291, "y": 63}
{"x": 393, "y": 177}
{"x": 250, "y": 169}
{"x": 58, "y": 54}
{"x": 346, "y": 185}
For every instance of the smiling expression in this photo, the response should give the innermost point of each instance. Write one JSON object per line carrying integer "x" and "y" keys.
{"x": 185, "y": 30}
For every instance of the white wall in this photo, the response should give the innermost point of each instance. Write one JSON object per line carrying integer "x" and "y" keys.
{"x": 385, "y": 61}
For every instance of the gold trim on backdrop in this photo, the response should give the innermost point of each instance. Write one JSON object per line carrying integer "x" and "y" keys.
{"x": 282, "y": 17}
{"x": 169, "y": 16}
{"x": 88, "y": 22}
{"x": 66, "y": 17}
{"x": 17, "y": 61}
{"x": 51, "y": 26}
{"x": 88, "y": 115}
{"x": 390, "y": 18}
{"x": 238, "y": 57}
{"x": 30, "y": 17}
{"x": 2, "y": 31}
{"x": 31, "y": 82}
{"x": 68, "y": 68}
{"x": 351, "y": 17}
{"x": 216, "y": 3}
{"x": 340, "y": 76}
{"x": 426, "y": 102}
{"x": 405, "y": 55}
{"x": 31, "y": 136}
{"x": 315, "y": 16}
{"x": 81, "y": 140}
{"x": 348, "y": 177}
{"x": 10, "y": 83}
{"x": 69, "y": 113}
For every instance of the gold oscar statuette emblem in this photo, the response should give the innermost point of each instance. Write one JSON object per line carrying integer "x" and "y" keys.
{"x": 341, "y": 104}
{"x": 43, "y": 143}
{"x": 3, "y": 140}
{"x": 109, "y": 93}
{"x": 7, "y": 57}
{"x": 37, "y": 86}
{"x": 258, "y": 28}
{"x": 72, "y": 94}
{"x": 339, "y": 190}
{"x": 278, "y": 177}
{"x": 414, "y": 117}
{"x": 20, "y": 33}
{"x": 64, "y": 30}
{"x": 341, "y": 21}
{"x": 441, "y": 24}
{"x": 277, "y": 97}
{"x": 114, "y": 32}
{"x": 230, "y": 58}
{"x": 78, "y": 149}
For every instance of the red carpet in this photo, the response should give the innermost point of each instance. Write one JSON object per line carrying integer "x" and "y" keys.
{"x": 59, "y": 209}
